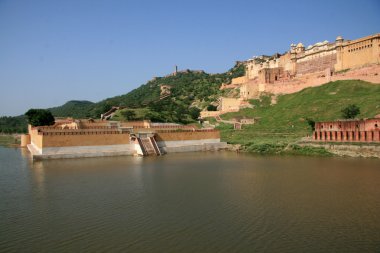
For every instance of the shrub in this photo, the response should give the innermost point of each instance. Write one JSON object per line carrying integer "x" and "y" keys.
{"x": 40, "y": 117}
{"x": 350, "y": 112}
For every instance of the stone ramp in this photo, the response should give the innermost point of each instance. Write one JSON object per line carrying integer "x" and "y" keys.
{"x": 149, "y": 146}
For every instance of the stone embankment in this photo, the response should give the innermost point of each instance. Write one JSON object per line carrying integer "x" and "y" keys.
{"x": 351, "y": 150}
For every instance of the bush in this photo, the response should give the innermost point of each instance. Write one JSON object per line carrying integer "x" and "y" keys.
{"x": 129, "y": 114}
{"x": 40, "y": 117}
{"x": 311, "y": 123}
{"x": 350, "y": 111}
{"x": 211, "y": 108}
{"x": 194, "y": 113}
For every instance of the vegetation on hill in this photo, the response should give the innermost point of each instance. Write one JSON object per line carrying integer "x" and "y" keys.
{"x": 190, "y": 92}
{"x": 75, "y": 109}
{"x": 279, "y": 126}
{"x": 288, "y": 120}
{"x": 189, "y": 89}
{"x": 350, "y": 112}
{"x": 10, "y": 125}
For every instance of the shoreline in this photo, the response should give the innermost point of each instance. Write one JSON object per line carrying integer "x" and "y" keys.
{"x": 304, "y": 148}
{"x": 10, "y": 140}
{"x": 299, "y": 148}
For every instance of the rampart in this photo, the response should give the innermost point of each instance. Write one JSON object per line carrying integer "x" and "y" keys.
{"x": 101, "y": 140}
{"x": 319, "y": 63}
{"x": 312, "y": 66}
{"x": 187, "y": 135}
{"x": 83, "y": 138}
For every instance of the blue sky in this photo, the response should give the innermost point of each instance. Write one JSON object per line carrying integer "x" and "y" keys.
{"x": 55, "y": 51}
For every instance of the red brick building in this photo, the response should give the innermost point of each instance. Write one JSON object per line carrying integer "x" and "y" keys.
{"x": 366, "y": 130}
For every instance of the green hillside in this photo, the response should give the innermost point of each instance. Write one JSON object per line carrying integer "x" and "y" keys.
{"x": 74, "y": 108}
{"x": 286, "y": 120}
{"x": 190, "y": 90}
{"x": 10, "y": 125}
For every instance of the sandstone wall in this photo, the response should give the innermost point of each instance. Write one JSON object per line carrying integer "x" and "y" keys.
{"x": 35, "y": 138}
{"x": 185, "y": 136}
{"x": 359, "y": 52}
{"x": 228, "y": 104}
{"x": 239, "y": 80}
{"x": 369, "y": 74}
{"x": 66, "y": 139}
{"x": 316, "y": 64}
{"x": 205, "y": 114}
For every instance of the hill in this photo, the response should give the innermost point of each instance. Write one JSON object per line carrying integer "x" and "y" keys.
{"x": 189, "y": 90}
{"x": 287, "y": 120}
{"x": 74, "y": 108}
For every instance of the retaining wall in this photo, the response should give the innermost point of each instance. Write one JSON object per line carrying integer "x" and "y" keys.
{"x": 187, "y": 135}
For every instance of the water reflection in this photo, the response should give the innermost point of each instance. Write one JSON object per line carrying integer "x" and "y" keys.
{"x": 38, "y": 175}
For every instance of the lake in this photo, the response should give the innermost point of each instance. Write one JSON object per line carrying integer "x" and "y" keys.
{"x": 193, "y": 202}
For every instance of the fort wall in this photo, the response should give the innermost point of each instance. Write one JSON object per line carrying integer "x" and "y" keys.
{"x": 356, "y": 53}
{"x": 55, "y": 142}
{"x": 185, "y": 136}
{"x": 316, "y": 64}
{"x": 252, "y": 90}
{"x": 81, "y": 138}
{"x": 230, "y": 104}
{"x": 35, "y": 138}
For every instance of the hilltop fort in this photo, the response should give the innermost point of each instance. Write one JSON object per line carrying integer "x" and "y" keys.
{"x": 303, "y": 67}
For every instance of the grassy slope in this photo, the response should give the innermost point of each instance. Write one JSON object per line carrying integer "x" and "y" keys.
{"x": 79, "y": 109}
{"x": 9, "y": 140}
{"x": 140, "y": 114}
{"x": 285, "y": 122}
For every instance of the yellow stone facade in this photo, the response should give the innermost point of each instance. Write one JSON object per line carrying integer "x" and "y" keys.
{"x": 339, "y": 55}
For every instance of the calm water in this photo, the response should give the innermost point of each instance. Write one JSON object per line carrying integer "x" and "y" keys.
{"x": 195, "y": 202}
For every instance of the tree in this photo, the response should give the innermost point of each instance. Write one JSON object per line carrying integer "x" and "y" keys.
{"x": 350, "y": 112}
{"x": 211, "y": 108}
{"x": 194, "y": 113}
{"x": 129, "y": 114}
{"x": 311, "y": 123}
{"x": 39, "y": 117}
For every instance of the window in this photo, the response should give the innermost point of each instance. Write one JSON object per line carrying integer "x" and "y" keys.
{"x": 376, "y": 125}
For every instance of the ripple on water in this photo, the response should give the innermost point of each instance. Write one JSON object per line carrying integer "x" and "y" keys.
{"x": 214, "y": 202}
